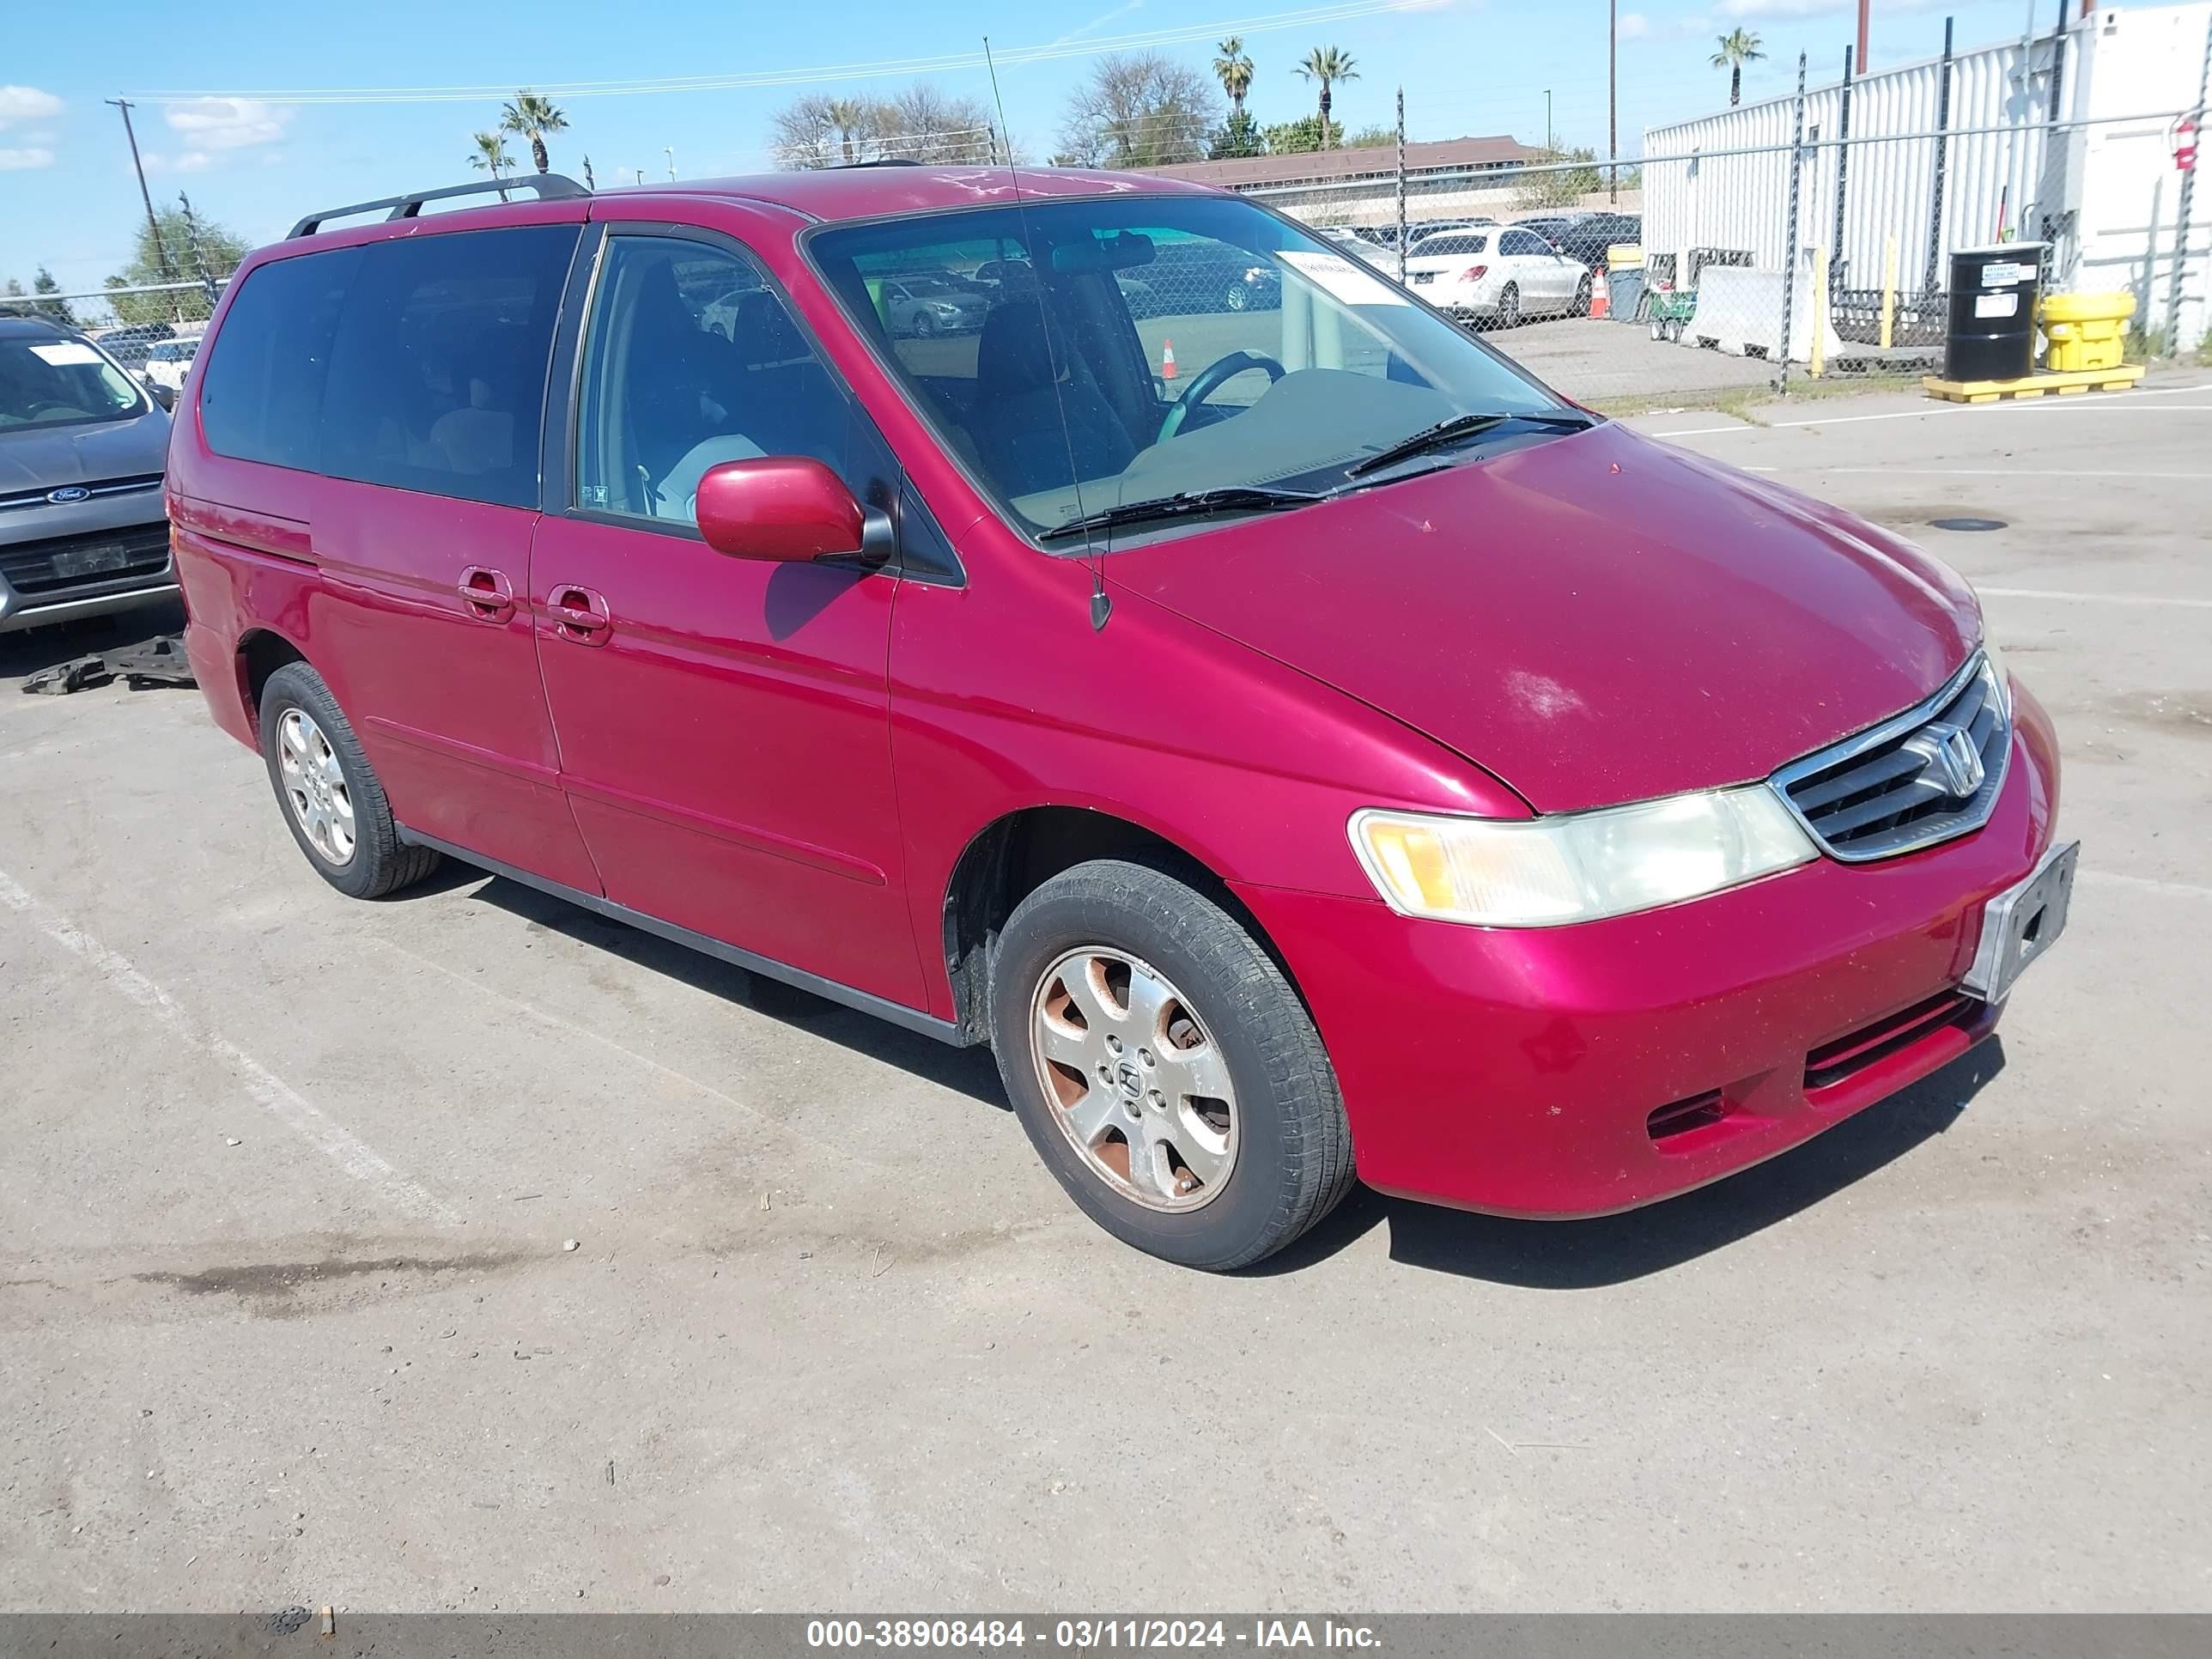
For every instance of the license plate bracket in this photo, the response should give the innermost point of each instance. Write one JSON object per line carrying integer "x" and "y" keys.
{"x": 93, "y": 561}
{"x": 2020, "y": 924}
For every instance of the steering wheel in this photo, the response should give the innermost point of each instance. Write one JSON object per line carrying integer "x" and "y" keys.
{"x": 1210, "y": 380}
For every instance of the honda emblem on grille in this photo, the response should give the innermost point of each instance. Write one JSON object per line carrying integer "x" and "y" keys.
{"x": 1947, "y": 755}
{"x": 68, "y": 493}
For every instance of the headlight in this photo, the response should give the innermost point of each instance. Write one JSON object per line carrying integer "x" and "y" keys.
{"x": 1541, "y": 872}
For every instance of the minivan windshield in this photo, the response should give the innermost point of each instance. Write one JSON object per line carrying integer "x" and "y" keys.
{"x": 1148, "y": 351}
{"x": 61, "y": 382}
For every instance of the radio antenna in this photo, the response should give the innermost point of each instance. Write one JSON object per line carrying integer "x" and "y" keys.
{"x": 1101, "y": 605}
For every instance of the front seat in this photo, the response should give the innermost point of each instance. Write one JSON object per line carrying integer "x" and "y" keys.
{"x": 1017, "y": 417}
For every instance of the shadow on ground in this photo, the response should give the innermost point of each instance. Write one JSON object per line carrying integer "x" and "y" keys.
{"x": 25, "y": 653}
{"x": 1538, "y": 1254}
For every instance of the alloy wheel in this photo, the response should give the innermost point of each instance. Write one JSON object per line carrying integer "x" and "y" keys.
{"x": 1133, "y": 1078}
{"x": 315, "y": 786}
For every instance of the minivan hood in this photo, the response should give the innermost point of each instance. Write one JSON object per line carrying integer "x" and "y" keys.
{"x": 1593, "y": 619}
{"x": 49, "y": 458}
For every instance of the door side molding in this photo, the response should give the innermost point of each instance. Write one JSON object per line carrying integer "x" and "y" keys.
{"x": 897, "y": 1013}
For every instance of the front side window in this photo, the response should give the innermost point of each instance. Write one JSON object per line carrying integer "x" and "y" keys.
{"x": 48, "y": 381}
{"x": 1116, "y": 350}
{"x": 688, "y": 362}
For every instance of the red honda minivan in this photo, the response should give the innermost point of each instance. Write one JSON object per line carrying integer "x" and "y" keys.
{"x": 1336, "y": 756}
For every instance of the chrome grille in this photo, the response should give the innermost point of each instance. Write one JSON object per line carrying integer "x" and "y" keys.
{"x": 93, "y": 490}
{"x": 1930, "y": 773}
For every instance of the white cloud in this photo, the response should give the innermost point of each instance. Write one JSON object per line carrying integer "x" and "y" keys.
{"x": 1632, "y": 26}
{"x": 191, "y": 160}
{"x": 27, "y": 104}
{"x": 209, "y": 124}
{"x": 21, "y": 161}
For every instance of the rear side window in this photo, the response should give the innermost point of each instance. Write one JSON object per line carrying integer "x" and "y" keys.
{"x": 419, "y": 364}
{"x": 261, "y": 389}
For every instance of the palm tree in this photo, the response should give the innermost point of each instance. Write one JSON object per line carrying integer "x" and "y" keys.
{"x": 491, "y": 156}
{"x": 1234, "y": 70}
{"x": 1328, "y": 64}
{"x": 850, "y": 117}
{"x": 533, "y": 117}
{"x": 1737, "y": 47}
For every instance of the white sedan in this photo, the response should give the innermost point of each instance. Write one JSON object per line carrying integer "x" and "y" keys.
{"x": 1498, "y": 275}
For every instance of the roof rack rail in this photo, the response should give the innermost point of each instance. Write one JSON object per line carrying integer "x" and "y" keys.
{"x": 549, "y": 186}
{"x": 884, "y": 161}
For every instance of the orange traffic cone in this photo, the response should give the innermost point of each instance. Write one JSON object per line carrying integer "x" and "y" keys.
{"x": 1600, "y": 294}
{"x": 1167, "y": 359}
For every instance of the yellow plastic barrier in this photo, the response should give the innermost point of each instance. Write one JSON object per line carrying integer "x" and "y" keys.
{"x": 2086, "y": 331}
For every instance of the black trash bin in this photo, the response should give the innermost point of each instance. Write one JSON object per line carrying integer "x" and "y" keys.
{"x": 1993, "y": 295}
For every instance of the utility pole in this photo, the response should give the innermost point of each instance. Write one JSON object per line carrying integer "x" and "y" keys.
{"x": 1612, "y": 101}
{"x": 153, "y": 224}
{"x": 1862, "y": 37}
{"x": 1548, "y": 121}
{"x": 669, "y": 150}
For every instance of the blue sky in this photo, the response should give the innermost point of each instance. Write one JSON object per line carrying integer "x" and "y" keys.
{"x": 264, "y": 152}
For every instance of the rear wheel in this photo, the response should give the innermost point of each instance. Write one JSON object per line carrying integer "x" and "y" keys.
{"x": 1508, "y": 306}
{"x": 1165, "y": 1069}
{"x": 330, "y": 799}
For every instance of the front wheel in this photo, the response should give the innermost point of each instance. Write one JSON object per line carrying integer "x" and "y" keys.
{"x": 1163, "y": 1068}
{"x": 923, "y": 325}
{"x": 1583, "y": 296}
{"x": 1238, "y": 298}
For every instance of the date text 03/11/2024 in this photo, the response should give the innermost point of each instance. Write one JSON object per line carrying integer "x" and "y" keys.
{"x": 1089, "y": 1635}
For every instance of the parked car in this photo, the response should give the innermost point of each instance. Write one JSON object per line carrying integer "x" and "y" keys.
{"x": 1418, "y": 240}
{"x": 924, "y": 305}
{"x": 1585, "y": 238}
{"x": 1349, "y": 756}
{"x": 1360, "y": 246}
{"x": 167, "y": 363}
{"x": 1498, "y": 276}
{"x": 1207, "y": 275}
{"x": 82, "y": 532}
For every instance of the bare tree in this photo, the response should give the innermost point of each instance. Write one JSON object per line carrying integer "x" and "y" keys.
{"x": 1139, "y": 109}
{"x": 920, "y": 124}
{"x": 923, "y": 124}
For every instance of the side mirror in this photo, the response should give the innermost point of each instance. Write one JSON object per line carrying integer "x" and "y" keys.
{"x": 788, "y": 508}
{"x": 162, "y": 395}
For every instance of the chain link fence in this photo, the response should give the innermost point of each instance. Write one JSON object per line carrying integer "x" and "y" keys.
{"x": 152, "y": 330}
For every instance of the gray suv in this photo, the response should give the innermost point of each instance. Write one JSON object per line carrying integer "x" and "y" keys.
{"x": 82, "y": 449}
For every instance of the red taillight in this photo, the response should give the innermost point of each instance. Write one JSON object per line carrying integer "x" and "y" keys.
{"x": 1473, "y": 273}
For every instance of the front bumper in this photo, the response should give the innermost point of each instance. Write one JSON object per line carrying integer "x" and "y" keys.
{"x": 1581, "y": 1070}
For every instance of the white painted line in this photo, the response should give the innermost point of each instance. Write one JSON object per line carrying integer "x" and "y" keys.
{"x": 358, "y": 1159}
{"x": 2092, "y": 598}
{"x": 2022, "y": 474}
{"x": 2087, "y": 400}
{"x": 2150, "y": 885}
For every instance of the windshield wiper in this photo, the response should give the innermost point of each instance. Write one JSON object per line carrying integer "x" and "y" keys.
{"x": 1230, "y": 498}
{"x": 1459, "y": 426}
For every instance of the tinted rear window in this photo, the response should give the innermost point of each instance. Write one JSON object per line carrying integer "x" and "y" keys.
{"x": 420, "y": 364}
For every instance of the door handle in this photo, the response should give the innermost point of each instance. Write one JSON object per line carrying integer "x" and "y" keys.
{"x": 579, "y": 615}
{"x": 486, "y": 594}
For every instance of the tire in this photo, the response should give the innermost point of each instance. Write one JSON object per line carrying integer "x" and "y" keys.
{"x": 377, "y": 862}
{"x": 1509, "y": 306}
{"x": 1583, "y": 296}
{"x": 923, "y": 327}
{"x": 1658, "y": 329}
{"x": 1221, "y": 1010}
{"x": 1238, "y": 298}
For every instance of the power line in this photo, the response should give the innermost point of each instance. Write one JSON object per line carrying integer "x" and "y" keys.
{"x": 878, "y": 69}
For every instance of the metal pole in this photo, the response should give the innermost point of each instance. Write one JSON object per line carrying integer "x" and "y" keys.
{"x": 1942, "y": 160}
{"x": 1790, "y": 262}
{"x": 1612, "y": 102}
{"x": 1548, "y": 123}
{"x": 153, "y": 224}
{"x": 1401, "y": 184}
{"x": 1843, "y": 170}
{"x": 1862, "y": 36}
{"x": 2188, "y": 196}
{"x": 669, "y": 150}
